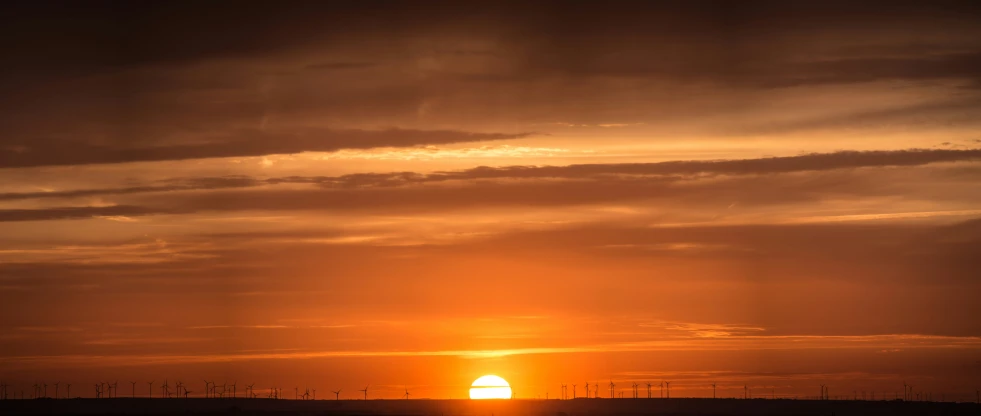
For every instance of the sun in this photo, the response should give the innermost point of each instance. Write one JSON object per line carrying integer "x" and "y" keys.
{"x": 490, "y": 387}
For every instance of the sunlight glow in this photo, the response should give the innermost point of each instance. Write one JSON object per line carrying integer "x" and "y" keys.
{"x": 490, "y": 387}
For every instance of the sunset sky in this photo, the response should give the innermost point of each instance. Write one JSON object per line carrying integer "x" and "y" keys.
{"x": 412, "y": 195}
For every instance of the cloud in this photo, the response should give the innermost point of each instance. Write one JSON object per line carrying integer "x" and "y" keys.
{"x": 869, "y": 342}
{"x": 177, "y": 184}
{"x": 230, "y": 71}
{"x": 67, "y": 213}
{"x": 689, "y": 191}
{"x": 669, "y": 170}
{"x": 35, "y": 152}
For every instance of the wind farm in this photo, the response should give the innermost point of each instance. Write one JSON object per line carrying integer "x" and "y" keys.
{"x": 399, "y": 401}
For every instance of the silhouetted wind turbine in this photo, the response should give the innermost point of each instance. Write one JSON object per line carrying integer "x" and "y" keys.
{"x": 649, "y": 385}
{"x": 150, "y": 394}
{"x": 573, "y": 391}
{"x": 233, "y": 388}
{"x": 337, "y": 394}
{"x": 68, "y": 391}
{"x": 587, "y": 389}
{"x": 365, "y": 390}
{"x": 612, "y": 391}
{"x": 406, "y": 393}
{"x": 713, "y": 390}
{"x": 667, "y": 385}
{"x": 134, "y": 388}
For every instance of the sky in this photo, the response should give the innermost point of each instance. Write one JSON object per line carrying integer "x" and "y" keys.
{"x": 776, "y": 195}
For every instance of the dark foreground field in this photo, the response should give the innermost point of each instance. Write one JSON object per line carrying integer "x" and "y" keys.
{"x": 703, "y": 407}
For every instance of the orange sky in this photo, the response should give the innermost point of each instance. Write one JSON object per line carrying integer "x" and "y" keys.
{"x": 412, "y": 196}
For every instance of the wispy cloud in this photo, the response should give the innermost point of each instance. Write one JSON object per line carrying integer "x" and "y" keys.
{"x": 245, "y": 143}
{"x": 713, "y": 342}
{"x": 669, "y": 170}
{"x": 884, "y": 216}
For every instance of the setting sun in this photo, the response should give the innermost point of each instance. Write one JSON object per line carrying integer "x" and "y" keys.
{"x": 490, "y": 387}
